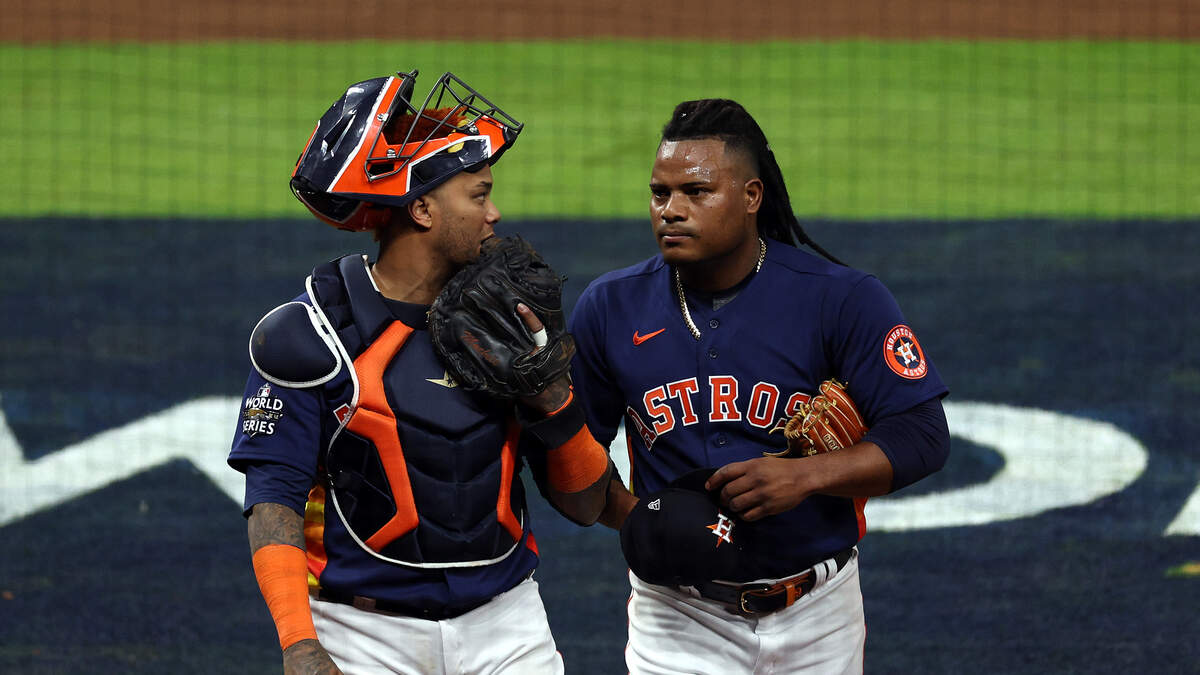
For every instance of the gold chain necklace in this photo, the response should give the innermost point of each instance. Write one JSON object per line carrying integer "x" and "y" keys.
{"x": 687, "y": 316}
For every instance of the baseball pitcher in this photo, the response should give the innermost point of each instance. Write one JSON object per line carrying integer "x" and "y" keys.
{"x": 766, "y": 393}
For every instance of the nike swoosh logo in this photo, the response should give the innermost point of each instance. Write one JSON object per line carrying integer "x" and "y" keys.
{"x": 446, "y": 380}
{"x": 639, "y": 339}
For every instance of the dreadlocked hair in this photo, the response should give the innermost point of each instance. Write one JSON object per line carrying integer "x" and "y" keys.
{"x": 729, "y": 122}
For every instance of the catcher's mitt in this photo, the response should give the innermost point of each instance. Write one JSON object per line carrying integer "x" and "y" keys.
{"x": 830, "y": 421}
{"x": 478, "y": 334}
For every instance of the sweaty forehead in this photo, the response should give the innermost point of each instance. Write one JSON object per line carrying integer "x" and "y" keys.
{"x": 697, "y": 159}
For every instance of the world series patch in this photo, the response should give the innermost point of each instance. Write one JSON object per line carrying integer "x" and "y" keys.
{"x": 903, "y": 353}
{"x": 260, "y": 412}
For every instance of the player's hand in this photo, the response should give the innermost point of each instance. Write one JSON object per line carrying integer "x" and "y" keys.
{"x": 760, "y": 487}
{"x": 308, "y": 657}
{"x": 557, "y": 392}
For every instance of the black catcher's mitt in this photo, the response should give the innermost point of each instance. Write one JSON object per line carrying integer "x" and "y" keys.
{"x": 478, "y": 334}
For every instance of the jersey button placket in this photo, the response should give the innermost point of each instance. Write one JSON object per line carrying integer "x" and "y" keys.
{"x": 712, "y": 351}
{"x": 707, "y": 354}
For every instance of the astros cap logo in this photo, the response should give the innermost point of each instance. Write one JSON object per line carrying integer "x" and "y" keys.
{"x": 722, "y": 529}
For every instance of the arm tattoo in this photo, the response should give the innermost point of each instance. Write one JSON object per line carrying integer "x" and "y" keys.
{"x": 275, "y": 524}
{"x": 308, "y": 656}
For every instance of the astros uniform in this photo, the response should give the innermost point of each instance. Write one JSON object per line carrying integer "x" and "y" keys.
{"x": 415, "y": 515}
{"x": 763, "y": 350}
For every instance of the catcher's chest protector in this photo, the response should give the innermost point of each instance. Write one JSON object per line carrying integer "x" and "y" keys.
{"x": 421, "y": 473}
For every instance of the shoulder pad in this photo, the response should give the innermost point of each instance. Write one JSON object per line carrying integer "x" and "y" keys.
{"x": 291, "y": 347}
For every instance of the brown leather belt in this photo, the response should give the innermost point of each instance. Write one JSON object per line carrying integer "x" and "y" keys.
{"x": 373, "y": 605}
{"x": 389, "y": 607}
{"x": 761, "y": 598}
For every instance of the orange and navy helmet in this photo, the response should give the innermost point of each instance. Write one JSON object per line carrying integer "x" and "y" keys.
{"x": 373, "y": 148}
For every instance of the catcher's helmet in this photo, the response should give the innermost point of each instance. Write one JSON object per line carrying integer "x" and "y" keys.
{"x": 455, "y": 129}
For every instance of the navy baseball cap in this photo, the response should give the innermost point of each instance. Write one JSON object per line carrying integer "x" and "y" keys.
{"x": 679, "y": 536}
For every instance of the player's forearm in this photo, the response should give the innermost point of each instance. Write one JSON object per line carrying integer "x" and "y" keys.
{"x": 764, "y": 486}
{"x": 274, "y": 524}
{"x": 277, "y": 554}
{"x": 861, "y": 470}
{"x": 617, "y": 504}
{"x": 586, "y": 505}
{"x": 577, "y": 467}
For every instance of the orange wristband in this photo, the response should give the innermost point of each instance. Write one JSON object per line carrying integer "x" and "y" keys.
{"x": 282, "y": 574}
{"x": 576, "y": 464}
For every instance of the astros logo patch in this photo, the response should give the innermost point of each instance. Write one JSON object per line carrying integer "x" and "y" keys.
{"x": 903, "y": 353}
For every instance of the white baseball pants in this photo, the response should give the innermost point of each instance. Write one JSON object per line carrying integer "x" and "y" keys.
{"x": 674, "y": 632}
{"x": 509, "y": 635}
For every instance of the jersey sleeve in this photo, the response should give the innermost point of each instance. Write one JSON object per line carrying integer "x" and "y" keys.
{"x": 278, "y": 434}
{"x": 916, "y": 442}
{"x": 590, "y": 375}
{"x": 888, "y": 373}
{"x": 269, "y": 482}
{"x": 878, "y": 354}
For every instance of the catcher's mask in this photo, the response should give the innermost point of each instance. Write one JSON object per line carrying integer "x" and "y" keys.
{"x": 354, "y": 160}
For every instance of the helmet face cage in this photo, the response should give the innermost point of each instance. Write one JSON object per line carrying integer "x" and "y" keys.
{"x": 468, "y": 104}
{"x": 354, "y": 133}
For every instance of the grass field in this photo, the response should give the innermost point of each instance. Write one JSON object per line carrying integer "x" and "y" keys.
{"x": 863, "y": 129}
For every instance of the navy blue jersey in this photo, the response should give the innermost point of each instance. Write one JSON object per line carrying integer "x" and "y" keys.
{"x": 690, "y": 403}
{"x": 451, "y": 440}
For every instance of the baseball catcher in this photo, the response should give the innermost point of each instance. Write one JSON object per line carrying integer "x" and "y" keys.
{"x": 373, "y": 462}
